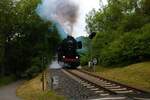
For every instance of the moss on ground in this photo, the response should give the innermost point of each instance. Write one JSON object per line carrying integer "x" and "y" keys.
{"x": 32, "y": 90}
{"x": 136, "y": 75}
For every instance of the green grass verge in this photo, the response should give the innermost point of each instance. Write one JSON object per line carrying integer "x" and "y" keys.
{"x": 32, "y": 90}
{"x": 4, "y": 80}
{"x": 136, "y": 75}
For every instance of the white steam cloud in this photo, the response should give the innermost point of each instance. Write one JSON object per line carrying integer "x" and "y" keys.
{"x": 54, "y": 65}
{"x": 65, "y": 12}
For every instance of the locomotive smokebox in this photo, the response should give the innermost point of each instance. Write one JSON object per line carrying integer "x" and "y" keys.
{"x": 67, "y": 52}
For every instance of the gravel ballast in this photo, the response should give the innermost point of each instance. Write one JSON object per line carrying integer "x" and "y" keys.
{"x": 65, "y": 85}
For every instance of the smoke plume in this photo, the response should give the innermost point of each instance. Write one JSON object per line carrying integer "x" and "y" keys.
{"x": 64, "y": 12}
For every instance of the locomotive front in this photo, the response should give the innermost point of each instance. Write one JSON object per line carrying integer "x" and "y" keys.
{"x": 67, "y": 52}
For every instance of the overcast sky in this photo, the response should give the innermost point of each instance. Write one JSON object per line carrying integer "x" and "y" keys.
{"x": 85, "y": 7}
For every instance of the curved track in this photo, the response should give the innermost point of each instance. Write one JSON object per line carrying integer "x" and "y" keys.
{"x": 105, "y": 87}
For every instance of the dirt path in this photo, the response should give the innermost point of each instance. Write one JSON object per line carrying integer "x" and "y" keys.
{"x": 9, "y": 92}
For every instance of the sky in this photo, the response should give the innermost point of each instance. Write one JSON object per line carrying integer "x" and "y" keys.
{"x": 85, "y": 6}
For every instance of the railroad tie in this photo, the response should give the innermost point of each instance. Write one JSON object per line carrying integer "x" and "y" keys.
{"x": 123, "y": 92}
{"x": 104, "y": 94}
{"x": 95, "y": 89}
{"x": 119, "y": 89}
{"x": 138, "y": 98}
{"x": 111, "y": 98}
{"x": 100, "y": 91}
{"x": 113, "y": 87}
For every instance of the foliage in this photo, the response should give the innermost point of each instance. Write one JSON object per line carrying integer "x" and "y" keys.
{"x": 6, "y": 80}
{"x": 25, "y": 38}
{"x": 123, "y": 29}
{"x": 84, "y": 52}
{"x": 84, "y": 58}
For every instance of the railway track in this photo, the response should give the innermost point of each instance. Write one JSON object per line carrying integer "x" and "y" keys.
{"x": 107, "y": 89}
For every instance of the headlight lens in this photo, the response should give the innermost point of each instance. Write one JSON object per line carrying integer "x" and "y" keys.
{"x": 77, "y": 57}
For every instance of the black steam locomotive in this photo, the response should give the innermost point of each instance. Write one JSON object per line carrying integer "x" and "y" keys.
{"x": 67, "y": 52}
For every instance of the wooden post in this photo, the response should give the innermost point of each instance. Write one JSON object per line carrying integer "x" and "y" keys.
{"x": 43, "y": 83}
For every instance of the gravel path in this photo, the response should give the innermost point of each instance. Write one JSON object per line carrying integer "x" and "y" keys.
{"x": 70, "y": 88}
{"x": 9, "y": 92}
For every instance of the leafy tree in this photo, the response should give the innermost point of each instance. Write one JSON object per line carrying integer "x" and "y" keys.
{"x": 6, "y": 20}
{"x": 25, "y": 38}
{"x": 122, "y": 28}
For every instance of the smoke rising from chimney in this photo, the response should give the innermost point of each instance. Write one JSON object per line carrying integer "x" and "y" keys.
{"x": 64, "y": 12}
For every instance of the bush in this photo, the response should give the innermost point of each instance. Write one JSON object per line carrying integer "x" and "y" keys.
{"x": 35, "y": 68}
{"x": 4, "y": 80}
{"x": 32, "y": 72}
{"x": 130, "y": 48}
{"x": 84, "y": 59}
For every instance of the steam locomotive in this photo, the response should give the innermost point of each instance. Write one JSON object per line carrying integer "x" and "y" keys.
{"x": 67, "y": 52}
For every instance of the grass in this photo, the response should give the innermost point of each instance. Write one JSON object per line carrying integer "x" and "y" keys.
{"x": 4, "y": 80}
{"x": 32, "y": 90}
{"x": 136, "y": 75}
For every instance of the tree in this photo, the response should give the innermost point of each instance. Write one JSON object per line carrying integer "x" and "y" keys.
{"x": 6, "y": 20}
{"x": 25, "y": 37}
{"x": 122, "y": 27}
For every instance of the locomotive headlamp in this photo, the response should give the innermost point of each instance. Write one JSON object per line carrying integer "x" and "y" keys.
{"x": 63, "y": 56}
{"x": 77, "y": 57}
